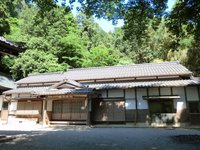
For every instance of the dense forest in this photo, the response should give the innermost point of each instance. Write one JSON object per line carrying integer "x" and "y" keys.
{"x": 55, "y": 40}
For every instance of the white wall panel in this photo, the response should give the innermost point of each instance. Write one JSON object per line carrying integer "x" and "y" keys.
{"x": 130, "y": 93}
{"x": 49, "y": 105}
{"x": 179, "y": 91}
{"x": 165, "y": 91}
{"x": 13, "y": 106}
{"x": 179, "y": 105}
{"x": 25, "y": 95}
{"x": 115, "y": 93}
{"x": 192, "y": 93}
{"x": 14, "y": 95}
{"x": 153, "y": 91}
{"x": 142, "y": 104}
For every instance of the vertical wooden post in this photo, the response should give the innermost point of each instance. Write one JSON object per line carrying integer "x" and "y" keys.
{"x": 171, "y": 90}
{"x": 148, "y": 118}
{"x": 136, "y": 106}
{"x": 44, "y": 111}
{"x": 186, "y": 101}
{"x": 159, "y": 93}
{"x": 88, "y": 99}
{"x": 106, "y": 93}
{"x": 124, "y": 96}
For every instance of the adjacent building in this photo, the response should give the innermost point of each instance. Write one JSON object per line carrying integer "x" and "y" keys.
{"x": 152, "y": 94}
{"x": 7, "y": 47}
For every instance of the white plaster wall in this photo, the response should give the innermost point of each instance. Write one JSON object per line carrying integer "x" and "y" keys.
{"x": 14, "y": 95}
{"x": 49, "y": 105}
{"x": 179, "y": 104}
{"x": 142, "y": 104}
{"x": 153, "y": 91}
{"x": 13, "y": 106}
{"x": 179, "y": 91}
{"x": 115, "y": 93}
{"x": 192, "y": 93}
{"x": 165, "y": 91}
{"x": 25, "y": 95}
{"x": 1, "y": 102}
{"x": 130, "y": 93}
{"x": 130, "y": 104}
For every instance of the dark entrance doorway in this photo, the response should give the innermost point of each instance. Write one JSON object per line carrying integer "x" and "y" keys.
{"x": 69, "y": 110}
{"x": 161, "y": 111}
{"x": 108, "y": 111}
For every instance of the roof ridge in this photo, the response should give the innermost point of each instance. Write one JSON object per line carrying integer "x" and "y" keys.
{"x": 116, "y": 66}
{"x": 47, "y": 73}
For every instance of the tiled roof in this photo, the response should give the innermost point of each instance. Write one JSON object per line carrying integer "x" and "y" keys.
{"x": 63, "y": 91}
{"x": 127, "y": 71}
{"x": 45, "y": 77}
{"x": 136, "y": 70}
{"x": 47, "y": 91}
{"x": 26, "y": 90}
{"x": 98, "y": 86}
{"x": 125, "y": 85}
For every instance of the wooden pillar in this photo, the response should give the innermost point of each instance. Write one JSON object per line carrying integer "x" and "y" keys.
{"x": 186, "y": 101}
{"x": 124, "y": 96}
{"x": 44, "y": 111}
{"x": 159, "y": 93}
{"x": 106, "y": 93}
{"x": 136, "y": 106}
{"x": 171, "y": 90}
{"x": 89, "y": 107}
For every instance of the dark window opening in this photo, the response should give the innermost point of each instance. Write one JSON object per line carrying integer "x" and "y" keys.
{"x": 194, "y": 107}
{"x": 5, "y": 106}
{"x": 160, "y": 106}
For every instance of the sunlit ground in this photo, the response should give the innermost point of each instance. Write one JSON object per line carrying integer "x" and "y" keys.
{"x": 83, "y": 137}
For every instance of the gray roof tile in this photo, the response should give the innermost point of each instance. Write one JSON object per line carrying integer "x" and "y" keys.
{"x": 100, "y": 86}
{"x": 46, "y": 91}
{"x": 142, "y": 84}
{"x": 136, "y": 70}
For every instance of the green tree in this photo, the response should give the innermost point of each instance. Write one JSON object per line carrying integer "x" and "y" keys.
{"x": 99, "y": 56}
{"x": 35, "y": 61}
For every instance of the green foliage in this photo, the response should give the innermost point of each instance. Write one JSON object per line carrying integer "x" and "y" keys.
{"x": 35, "y": 61}
{"x": 99, "y": 56}
{"x": 4, "y": 25}
{"x": 72, "y": 50}
{"x": 193, "y": 60}
{"x": 55, "y": 39}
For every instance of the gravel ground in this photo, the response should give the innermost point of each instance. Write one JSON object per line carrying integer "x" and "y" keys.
{"x": 82, "y": 137}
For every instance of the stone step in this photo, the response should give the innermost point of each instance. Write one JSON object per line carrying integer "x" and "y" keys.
{"x": 60, "y": 123}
